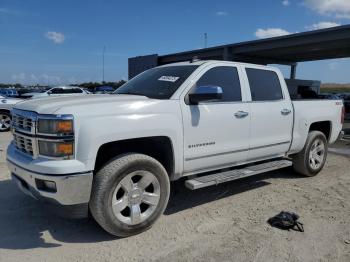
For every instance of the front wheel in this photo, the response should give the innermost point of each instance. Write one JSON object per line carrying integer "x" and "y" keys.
{"x": 311, "y": 159}
{"x": 129, "y": 194}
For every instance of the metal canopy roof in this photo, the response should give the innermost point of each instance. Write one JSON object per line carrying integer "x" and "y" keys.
{"x": 300, "y": 47}
{"x": 321, "y": 44}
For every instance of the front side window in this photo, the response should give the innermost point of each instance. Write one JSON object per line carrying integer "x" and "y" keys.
{"x": 225, "y": 77}
{"x": 264, "y": 85}
{"x": 158, "y": 83}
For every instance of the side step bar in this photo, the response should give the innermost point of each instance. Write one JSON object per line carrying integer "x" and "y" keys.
{"x": 218, "y": 178}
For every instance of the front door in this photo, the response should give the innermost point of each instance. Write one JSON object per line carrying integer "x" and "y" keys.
{"x": 216, "y": 134}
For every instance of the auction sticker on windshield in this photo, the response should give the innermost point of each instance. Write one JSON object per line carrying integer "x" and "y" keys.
{"x": 168, "y": 78}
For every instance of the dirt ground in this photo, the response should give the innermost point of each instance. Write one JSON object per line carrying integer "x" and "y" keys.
{"x": 221, "y": 223}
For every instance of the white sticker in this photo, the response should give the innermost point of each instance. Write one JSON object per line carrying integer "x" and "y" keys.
{"x": 168, "y": 78}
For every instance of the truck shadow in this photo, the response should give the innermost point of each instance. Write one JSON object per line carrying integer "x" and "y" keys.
{"x": 25, "y": 225}
{"x": 182, "y": 198}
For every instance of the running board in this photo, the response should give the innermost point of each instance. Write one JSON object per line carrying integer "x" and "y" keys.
{"x": 218, "y": 178}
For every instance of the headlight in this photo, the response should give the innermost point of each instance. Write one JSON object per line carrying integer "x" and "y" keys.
{"x": 56, "y": 149}
{"x": 57, "y": 127}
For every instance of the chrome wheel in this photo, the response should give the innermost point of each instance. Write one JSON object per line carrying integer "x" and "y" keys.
{"x": 5, "y": 122}
{"x": 317, "y": 154}
{"x": 136, "y": 197}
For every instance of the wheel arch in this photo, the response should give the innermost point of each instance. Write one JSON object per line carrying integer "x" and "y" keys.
{"x": 323, "y": 126}
{"x": 159, "y": 147}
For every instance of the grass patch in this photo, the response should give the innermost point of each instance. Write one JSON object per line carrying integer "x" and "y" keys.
{"x": 335, "y": 88}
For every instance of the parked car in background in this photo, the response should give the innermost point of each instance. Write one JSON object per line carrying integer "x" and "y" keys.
{"x": 86, "y": 90}
{"x": 329, "y": 96}
{"x": 103, "y": 90}
{"x": 57, "y": 91}
{"x": 8, "y": 92}
{"x": 346, "y": 100}
{"x": 6, "y": 104}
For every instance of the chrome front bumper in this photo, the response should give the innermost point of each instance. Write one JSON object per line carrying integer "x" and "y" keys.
{"x": 71, "y": 189}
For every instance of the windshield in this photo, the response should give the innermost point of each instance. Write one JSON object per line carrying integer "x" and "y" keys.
{"x": 158, "y": 83}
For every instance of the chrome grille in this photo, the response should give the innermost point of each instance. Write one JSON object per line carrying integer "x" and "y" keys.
{"x": 24, "y": 144}
{"x": 22, "y": 123}
{"x": 23, "y": 128}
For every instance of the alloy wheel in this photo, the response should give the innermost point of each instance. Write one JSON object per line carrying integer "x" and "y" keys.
{"x": 136, "y": 197}
{"x": 317, "y": 154}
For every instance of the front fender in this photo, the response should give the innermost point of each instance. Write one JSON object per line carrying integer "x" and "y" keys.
{"x": 93, "y": 133}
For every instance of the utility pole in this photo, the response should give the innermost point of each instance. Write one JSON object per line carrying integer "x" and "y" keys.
{"x": 205, "y": 40}
{"x": 103, "y": 64}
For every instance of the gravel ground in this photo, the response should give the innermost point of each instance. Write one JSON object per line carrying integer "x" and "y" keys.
{"x": 221, "y": 223}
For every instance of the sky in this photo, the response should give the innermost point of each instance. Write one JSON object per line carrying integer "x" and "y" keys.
{"x": 61, "y": 42}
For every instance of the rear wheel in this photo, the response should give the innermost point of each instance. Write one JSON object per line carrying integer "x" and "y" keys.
{"x": 129, "y": 194}
{"x": 311, "y": 159}
{"x": 5, "y": 121}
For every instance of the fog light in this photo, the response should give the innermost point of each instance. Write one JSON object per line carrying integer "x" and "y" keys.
{"x": 45, "y": 185}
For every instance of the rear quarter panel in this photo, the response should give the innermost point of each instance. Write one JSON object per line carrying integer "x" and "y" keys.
{"x": 308, "y": 112}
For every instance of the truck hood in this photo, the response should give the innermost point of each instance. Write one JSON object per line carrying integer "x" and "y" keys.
{"x": 51, "y": 105}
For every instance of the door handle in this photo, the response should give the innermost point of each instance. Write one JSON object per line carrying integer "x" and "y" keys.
{"x": 285, "y": 111}
{"x": 241, "y": 114}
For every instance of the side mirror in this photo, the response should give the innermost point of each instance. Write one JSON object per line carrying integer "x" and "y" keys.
{"x": 205, "y": 93}
{"x": 49, "y": 92}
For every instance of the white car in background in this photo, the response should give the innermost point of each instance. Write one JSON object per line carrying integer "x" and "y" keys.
{"x": 57, "y": 91}
{"x": 6, "y": 104}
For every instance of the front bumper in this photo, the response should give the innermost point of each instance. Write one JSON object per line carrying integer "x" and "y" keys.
{"x": 72, "y": 190}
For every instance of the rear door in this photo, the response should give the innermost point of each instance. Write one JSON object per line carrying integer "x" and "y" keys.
{"x": 271, "y": 114}
{"x": 214, "y": 134}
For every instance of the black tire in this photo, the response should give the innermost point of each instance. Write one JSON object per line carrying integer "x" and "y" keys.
{"x": 4, "y": 114}
{"x": 301, "y": 161}
{"x": 105, "y": 184}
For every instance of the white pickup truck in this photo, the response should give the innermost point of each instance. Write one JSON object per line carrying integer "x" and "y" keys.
{"x": 208, "y": 121}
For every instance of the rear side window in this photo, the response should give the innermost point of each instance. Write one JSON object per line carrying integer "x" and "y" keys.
{"x": 264, "y": 85}
{"x": 225, "y": 77}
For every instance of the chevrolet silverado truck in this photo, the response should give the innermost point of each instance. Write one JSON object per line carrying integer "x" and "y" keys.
{"x": 207, "y": 122}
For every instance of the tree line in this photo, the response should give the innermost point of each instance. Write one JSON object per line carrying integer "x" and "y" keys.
{"x": 89, "y": 85}
{"x": 93, "y": 85}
